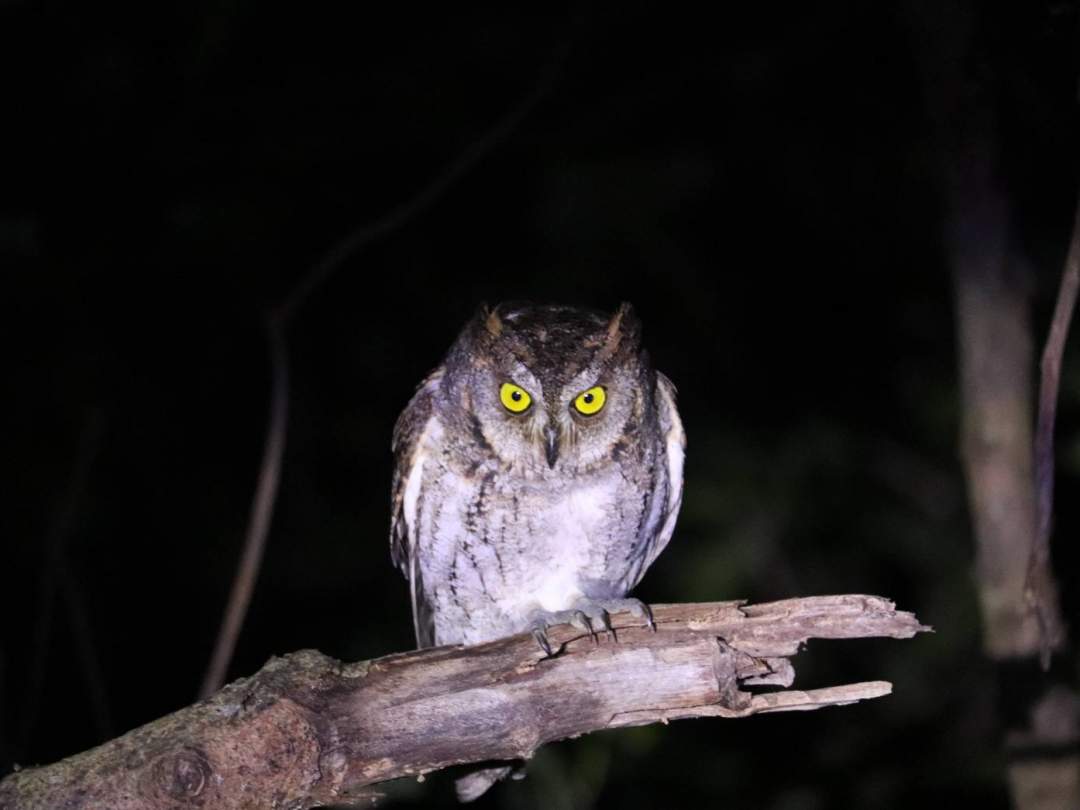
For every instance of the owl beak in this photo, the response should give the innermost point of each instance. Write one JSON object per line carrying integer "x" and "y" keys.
{"x": 551, "y": 444}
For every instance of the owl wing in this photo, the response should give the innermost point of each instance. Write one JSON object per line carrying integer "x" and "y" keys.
{"x": 674, "y": 439}
{"x": 409, "y": 447}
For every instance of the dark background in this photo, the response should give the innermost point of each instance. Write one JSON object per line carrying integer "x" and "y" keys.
{"x": 764, "y": 186}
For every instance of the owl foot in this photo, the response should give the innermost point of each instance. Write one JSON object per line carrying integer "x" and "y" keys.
{"x": 544, "y": 619}
{"x": 591, "y": 616}
{"x": 599, "y": 610}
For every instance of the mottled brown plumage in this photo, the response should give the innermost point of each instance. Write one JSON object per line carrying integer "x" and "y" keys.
{"x": 495, "y": 533}
{"x": 538, "y": 474}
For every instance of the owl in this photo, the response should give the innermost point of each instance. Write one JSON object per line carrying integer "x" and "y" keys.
{"x": 538, "y": 474}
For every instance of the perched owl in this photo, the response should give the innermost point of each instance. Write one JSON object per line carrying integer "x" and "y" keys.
{"x": 538, "y": 475}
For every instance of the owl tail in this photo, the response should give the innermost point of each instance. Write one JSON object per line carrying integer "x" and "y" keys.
{"x": 474, "y": 785}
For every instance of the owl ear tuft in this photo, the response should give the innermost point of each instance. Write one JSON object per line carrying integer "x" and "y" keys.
{"x": 490, "y": 318}
{"x": 624, "y": 328}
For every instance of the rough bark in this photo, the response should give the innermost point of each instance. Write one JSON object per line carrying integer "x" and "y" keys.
{"x": 307, "y": 730}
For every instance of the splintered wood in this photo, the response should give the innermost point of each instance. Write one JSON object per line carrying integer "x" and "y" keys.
{"x": 307, "y": 730}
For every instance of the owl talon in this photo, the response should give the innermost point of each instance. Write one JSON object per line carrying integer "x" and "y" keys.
{"x": 542, "y": 641}
{"x": 601, "y": 609}
{"x": 643, "y": 611}
{"x": 648, "y": 616}
{"x": 591, "y": 616}
{"x": 605, "y": 621}
{"x": 582, "y": 621}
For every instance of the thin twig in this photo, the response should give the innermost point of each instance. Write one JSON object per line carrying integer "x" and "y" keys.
{"x": 1039, "y": 574}
{"x": 262, "y": 510}
{"x": 281, "y": 315}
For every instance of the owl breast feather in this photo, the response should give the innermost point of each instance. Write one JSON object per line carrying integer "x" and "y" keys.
{"x": 493, "y": 549}
{"x": 484, "y": 547}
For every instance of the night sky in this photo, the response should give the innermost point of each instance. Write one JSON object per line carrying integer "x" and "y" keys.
{"x": 764, "y": 185}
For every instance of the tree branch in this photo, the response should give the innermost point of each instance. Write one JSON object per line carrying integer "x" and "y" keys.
{"x": 1040, "y": 589}
{"x": 308, "y": 730}
{"x": 262, "y": 511}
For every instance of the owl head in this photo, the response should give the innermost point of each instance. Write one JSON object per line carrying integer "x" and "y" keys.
{"x": 550, "y": 388}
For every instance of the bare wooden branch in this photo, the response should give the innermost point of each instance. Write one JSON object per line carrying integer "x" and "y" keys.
{"x": 307, "y": 730}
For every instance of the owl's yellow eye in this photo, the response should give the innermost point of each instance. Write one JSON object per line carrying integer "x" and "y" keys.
{"x": 514, "y": 398}
{"x": 591, "y": 401}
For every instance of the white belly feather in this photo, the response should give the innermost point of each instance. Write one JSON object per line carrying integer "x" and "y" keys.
{"x": 573, "y": 525}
